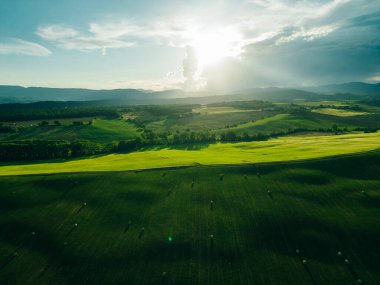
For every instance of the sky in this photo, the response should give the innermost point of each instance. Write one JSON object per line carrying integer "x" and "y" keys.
{"x": 212, "y": 45}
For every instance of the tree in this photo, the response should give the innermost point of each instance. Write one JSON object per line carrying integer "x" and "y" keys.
{"x": 43, "y": 123}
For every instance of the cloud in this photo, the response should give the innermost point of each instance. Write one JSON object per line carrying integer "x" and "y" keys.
{"x": 308, "y": 35}
{"x": 279, "y": 42}
{"x": 71, "y": 39}
{"x": 21, "y": 47}
{"x": 144, "y": 84}
{"x": 191, "y": 71}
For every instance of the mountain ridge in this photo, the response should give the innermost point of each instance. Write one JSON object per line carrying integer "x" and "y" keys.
{"x": 351, "y": 90}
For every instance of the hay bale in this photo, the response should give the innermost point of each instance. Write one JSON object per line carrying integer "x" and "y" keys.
{"x": 339, "y": 253}
{"x": 359, "y": 281}
{"x": 142, "y": 230}
{"x": 304, "y": 261}
{"x": 75, "y": 225}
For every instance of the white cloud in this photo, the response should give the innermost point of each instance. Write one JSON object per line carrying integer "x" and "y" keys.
{"x": 253, "y": 24}
{"x": 308, "y": 35}
{"x": 18, "y": 46}
{"x": 145, "y": 84}
{"x": 256, "y": 20}
{"x": 70, "y": 39}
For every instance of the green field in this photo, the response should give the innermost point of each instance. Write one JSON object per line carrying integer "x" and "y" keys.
{"x": 101, "y": 131}
{"x": 304, "y": 120}
{"x": 273, "y": 150}
{"x": 218, "y": 110}
{"x": 315, "y": 207}
{"x": 217, "y": 118}
{"x": 339, "y": 112}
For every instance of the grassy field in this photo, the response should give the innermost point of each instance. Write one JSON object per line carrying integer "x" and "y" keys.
{"x": 304, "y": 120}
{"x": 102, "y": 131}
{"x": 339, "y": 112}
{"x": 217, "y": 110}
{"x": 280, "y": 149}
{"x": 208, "y": 121}
{"x": 317, "y": 208}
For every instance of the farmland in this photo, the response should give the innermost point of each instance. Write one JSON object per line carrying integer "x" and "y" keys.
{"x": 270, "y": 224}
{"x": 274, "y": 150}
{"x": 100, "y": 130}
{"x": 231, "y": 193}
{"x": 340, "y": 113}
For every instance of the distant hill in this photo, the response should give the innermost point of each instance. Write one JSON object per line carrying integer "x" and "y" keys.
{"x": 17, "y": 94}
{"x": 354, "y": 90}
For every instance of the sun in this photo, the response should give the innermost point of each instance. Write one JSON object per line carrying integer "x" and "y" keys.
{"x": 214, "y": 46}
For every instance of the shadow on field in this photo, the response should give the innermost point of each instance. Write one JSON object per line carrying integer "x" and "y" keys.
{"x": 139, "y": 196}
{"x": 316, "y": 240}
{"x": 307, "y": 176}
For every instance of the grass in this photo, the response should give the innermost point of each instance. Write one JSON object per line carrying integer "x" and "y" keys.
{"x": 209, "y": 121}
{"x": 63, "y": 121}
{"x": 316, "y": 207}
{"x": 339, "y": 112}
{"x": 274, "y": 150}
{"x": 280, "y": 122}
{"x": 101, "y": 131}
{"x": 217, "y": 110}
{"x": 304, "y": 120}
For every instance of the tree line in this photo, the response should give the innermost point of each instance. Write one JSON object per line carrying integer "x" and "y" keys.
{"x": 9, "y": 113}
{"x": 43, "y": 149}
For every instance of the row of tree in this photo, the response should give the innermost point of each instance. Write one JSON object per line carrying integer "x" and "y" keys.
{"x": 40, "y": 149}
{"x": 5, "y": 129}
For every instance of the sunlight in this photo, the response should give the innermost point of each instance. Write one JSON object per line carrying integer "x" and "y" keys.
{"x": 212, "y": 47}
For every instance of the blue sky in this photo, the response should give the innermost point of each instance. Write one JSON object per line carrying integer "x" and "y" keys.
{"x": 194, "y": 45}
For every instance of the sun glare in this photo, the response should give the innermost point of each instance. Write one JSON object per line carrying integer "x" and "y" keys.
{"x": 213, "y": 47}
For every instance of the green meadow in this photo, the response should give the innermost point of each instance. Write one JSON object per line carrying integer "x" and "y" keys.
{"x": 339, "y": 112}
{"x": 274, "y": 150}
{"x": 310, "y": 222}
{"x": 100, "y": 130}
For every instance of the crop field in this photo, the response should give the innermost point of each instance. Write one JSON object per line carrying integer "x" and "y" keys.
{"x": 339, "y": 112}
{"x": 218, "y": 110}
{"x": 280, "y": 122}
{"x": 100, "y": 131}
{"x": 273, "y": 150}
{"x": 208, "y": 121}
{"x": 314, "y": 222}
{"x": 305, "y": 120}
